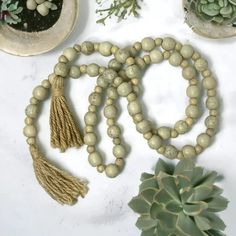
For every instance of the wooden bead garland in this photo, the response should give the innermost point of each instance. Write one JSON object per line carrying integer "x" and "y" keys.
{"x": 120, "y": 79}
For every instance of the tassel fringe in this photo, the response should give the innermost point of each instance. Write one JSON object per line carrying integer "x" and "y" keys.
{"x": 64, "y": 131}
{"x": 61, "y": 186}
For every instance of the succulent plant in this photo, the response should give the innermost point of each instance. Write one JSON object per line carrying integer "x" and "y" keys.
{"x": 119, "y": 8}
{"x": 180, "y": 201}
{"x": 9, "y": 12}
{"x": 216, "y": 11}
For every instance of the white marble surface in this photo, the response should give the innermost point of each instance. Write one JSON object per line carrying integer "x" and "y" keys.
{"x": 25, "y": 209}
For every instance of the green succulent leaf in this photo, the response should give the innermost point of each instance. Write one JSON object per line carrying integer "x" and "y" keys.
{"x": 194, "y": 209}
{"x": 155, "y": 210}
{"x": 139, "y": 205}
{"x": 162, "y": 196}
{"x": 168, "y": 183}
{"x": 149, "y": 194}
{"x": 146, "y": 176}
{"x": 185, "y": 168}
{"x": 150, "y": 232}
{"x": 149, "y": 183}
{"x": 215, "y": 221}
{"x": 146, "y": 222}
{"x": 201, "y": 192}
{"x": 217, "y": 204}
{"x": 174, "y": 207}
{"x": 162, "y": 167}
{"x": 187, "y": 225}
{"x": 202, "y": 222}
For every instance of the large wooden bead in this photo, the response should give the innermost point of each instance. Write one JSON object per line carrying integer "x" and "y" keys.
{"x": 70, "y": 54}
{"x": 90, "y": 118}
{"x": 105, "y": 48}
{"x": 133, "y": 71}
{"x": 119, "y": 151}
{"x": 156, "y": 56}
{"x": 134, "y": 107}
{"x": 170, "y": 152}
{"x": 40, "y": 93}
{"x": 95, "y": 99}
{"x": 61, "y": 69}
{"x": 143, "y": 127}
{"x": 168, "y": 43}
{"x": 30, "y": 131}
{"x": 204, "y": 140}
{"x": 189, "y": 151}
{"x": 124, "y": 89}
{"x": 148, "y": 44}
{"x": 110, "y": 111}
{"x": 95, "y": 159}
{"x": 187, "y": 51}
{"x": 155, "y": 142}
{"x": 112, "y": 170}
{"x": 90, "y": 139}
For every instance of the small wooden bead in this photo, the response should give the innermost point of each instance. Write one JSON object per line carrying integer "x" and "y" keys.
{"x": 131, "y": 97}
{"x": 130, "y": 61}
{"x": 119, "y": 151}
{"x": 112, "y": 93}
{"x": 135, "y": 81}
{"x": 29, "y": 121}
{"x": 147, "y": 59}
{"x": 140, "y": 63}
{"x": 118, "y": 81}
{"x": 161, "y": 150}
{"x": 198, "y": 149}
{"x": 206, "y": 73}
{"x": 213, "y": 112}
{"x": 196, "y": 56}
{"x": 211, "y": 93}
{"x": 101, "y": 168}
{"x": 201, "y": 64}
{"x": 189, "y": 121}
{"x": 31, "y": 111}
{"x": 174, "y": 133}
{"x": 158, "y": 41}
{"x": 83, "y": 69}
{"x": 138, "y": 46}
{"x": 181, "y": 127}
{"x": 77, "y": 47}
{"x": 112, "y": 170}
{"x": 116, "y": 141}
{"x": 211, "y": 132}
{"x": 166, "y": 55}
{"x": 178, "y": 46}
{"x": 110, "y": 122}
{"x": 148, "y": 135}
{"x": 90, "y": 149}
{"x": 120, "y": 163}
{"x": 51, "y": 78}
{"x": 98, "y": 89}
{"x": 184, "y": 64}
{"x": 89, "y": 129}
{"x": 137, "y": 118}
{"x": 46, "y": 84}
{"x": 114, "y": 65}
{"x": 34, "y": 101}
{"x": 193, "y": 101}
{"x": 31, "y": 141}
{"x": 92, "y": 108}
{"x": 109, "y": 101}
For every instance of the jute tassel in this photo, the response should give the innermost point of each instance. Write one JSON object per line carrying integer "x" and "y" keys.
{"x": 64, "y": 131}
{"x": 61, "y": 186}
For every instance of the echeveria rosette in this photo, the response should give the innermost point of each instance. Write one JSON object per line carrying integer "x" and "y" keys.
{"x": 216, "y": 11}
{"x": 180, "y": 201}
{"x": 9, "y": 12}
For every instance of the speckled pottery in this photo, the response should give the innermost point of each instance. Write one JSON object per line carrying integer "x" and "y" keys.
{"x": 206, "y": 29}
{"x": 28, "y": 44}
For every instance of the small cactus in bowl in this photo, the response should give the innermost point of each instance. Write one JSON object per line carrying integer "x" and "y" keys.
{"x": 180, "y": 201}
{"x": 216, "y": 11}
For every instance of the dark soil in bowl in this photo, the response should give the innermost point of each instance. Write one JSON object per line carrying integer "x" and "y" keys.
{"x": 32, "y": 21}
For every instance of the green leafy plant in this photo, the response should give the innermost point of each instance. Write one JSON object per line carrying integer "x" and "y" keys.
{"x": 9, "y": 12}
{"x": 216, "y": 11}
{"x": 118, "y": 8}
{"x": 180, "y": 201}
